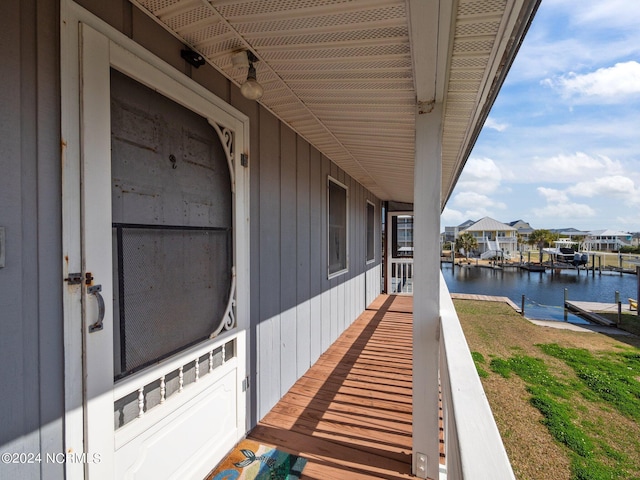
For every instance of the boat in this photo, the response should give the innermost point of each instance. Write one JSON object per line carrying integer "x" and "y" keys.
{"x": 567, "y": 254}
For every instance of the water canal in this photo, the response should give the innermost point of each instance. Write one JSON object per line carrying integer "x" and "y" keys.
{"x": 544, "y": 291}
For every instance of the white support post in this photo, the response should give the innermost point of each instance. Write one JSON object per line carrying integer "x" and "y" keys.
{"x": 426, "y": 298}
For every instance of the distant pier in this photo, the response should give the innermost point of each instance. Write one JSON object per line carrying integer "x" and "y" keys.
{"x": 535, "y": 267}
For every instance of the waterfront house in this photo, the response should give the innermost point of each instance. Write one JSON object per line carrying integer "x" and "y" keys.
{"x": 493, "y": 236}
{"x": 190, "y": 206}
{"x": 607, "y": 240}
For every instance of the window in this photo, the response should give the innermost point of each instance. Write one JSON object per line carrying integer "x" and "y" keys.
{"x": 337, "y": 231}
{"x": 402, "y": 236}
{"x": 371, "y": 229}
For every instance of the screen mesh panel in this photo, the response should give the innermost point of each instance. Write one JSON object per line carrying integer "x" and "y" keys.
{"x": 173, "y": 287}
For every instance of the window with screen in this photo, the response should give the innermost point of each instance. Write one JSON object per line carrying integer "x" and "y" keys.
{"x": 337, "y": 228}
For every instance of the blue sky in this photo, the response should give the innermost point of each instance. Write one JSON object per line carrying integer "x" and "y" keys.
{"x": 561, "y": 146}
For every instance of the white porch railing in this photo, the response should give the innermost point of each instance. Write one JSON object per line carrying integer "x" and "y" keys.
{"x": 473, "y": 446}
{"x": 401, "y": 276}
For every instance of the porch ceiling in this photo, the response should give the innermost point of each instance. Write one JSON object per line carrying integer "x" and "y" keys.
{"x": 348, "y": 75}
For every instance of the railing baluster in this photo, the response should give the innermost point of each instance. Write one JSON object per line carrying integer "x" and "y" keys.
{"x": 140, "y": 402}
{"x": 163, "y": 389}
{"x": 401, "y": 276}
{"x": 136, "y": 396}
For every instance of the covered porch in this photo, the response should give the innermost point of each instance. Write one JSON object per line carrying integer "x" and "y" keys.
{"x": 350, "y": 415}
{"x": 135, "y": 114}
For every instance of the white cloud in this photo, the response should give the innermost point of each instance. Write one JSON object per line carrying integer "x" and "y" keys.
{"x": 572, "y": 211}
{"x": 480, "y": 175}
{"x": 617, "y": 186}
{"x": 451, "y": 217}
{"x": 495, "y": 125}
{"x": 572, "y": 168}
{"x": 475, "y": 200}
{"x": 560, "y": 207}
{"x": 574, "y": 35}
{"x": 607, "y": 191}
{"x": 476, "y": 205}
{"x": 604, "y": 14}
{"x": 480, "y": 178}
{"x": 552, "y": 195}
{"x": 614, "y": 84}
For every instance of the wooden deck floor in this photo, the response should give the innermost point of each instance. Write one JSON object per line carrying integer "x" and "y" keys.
{"x": 350, "y": 414}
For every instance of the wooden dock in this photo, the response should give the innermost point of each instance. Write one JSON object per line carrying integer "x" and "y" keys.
{"x": 590, "y": 311}
{"x": 486, "y": 298}
{"x": 532, "y": 267}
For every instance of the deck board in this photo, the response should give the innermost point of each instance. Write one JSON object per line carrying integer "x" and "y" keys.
{"x": 350, "y": 414}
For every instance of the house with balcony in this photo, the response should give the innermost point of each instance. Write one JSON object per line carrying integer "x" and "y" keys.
{"x": 190, "y": 218}
{"x": 493, "y": 237}
{"x": 607, "y": 240}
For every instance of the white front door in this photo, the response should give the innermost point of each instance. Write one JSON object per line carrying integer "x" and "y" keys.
{"x": 163, "y": 264}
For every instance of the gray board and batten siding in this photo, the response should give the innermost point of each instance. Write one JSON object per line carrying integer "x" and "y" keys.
{"x": 296, "y": 310}
{"x": 31, "y": 320}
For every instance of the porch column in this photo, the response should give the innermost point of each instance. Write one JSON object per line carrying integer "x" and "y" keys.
{"x": 426, "y": 304}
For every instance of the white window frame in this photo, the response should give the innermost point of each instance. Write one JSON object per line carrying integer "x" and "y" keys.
{"x": 344, "y": 270}
{"x": 366, "y": 254}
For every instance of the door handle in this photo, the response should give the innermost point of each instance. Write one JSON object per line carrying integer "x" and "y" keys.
{"x": 95, "y": 291}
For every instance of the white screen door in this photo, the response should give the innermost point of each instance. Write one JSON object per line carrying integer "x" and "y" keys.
{"x": 164, "y": 250}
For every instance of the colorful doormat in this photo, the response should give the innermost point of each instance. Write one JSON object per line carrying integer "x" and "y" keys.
{"x": 251, "y": 460}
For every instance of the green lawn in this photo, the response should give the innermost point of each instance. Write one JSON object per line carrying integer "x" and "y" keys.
{"x": 567, "y": 403}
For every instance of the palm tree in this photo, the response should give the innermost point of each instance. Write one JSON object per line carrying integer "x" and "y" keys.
{"x": 467, "y": 242}
{"x": 542, "y": 238}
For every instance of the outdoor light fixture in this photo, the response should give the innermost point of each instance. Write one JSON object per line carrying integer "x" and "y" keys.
{"x": 250, "y": 89}
{"x": 192, "y": 58}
